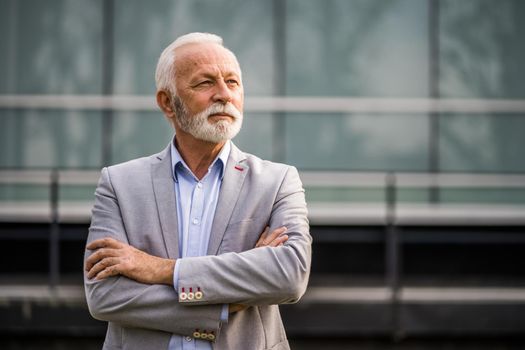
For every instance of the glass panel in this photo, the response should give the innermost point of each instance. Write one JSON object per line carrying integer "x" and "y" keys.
{"x": 357, "y": 141}
{"x": 24, "y": 192}
{"x": 481, "y": 48}
{"x": 493, "y": 143}
{"x": 357, "y": 48}
{"x": 50, "y": 138}
{"x": 344, "y": 194}
{"x": 7, "y": 40}
{"x": 256, "y": 135}
{"x": 139, "y": 134}
{"x": 483, "y": 195}
{"x": 58, "y": 47}
{"x": 143, "y": 29}
{"x": 77, "y": 192}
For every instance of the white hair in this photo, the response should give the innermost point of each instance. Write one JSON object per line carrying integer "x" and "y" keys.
{"x": 165, "y": 72}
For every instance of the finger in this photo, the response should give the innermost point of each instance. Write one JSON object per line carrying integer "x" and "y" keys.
{"x": 99, "y": 255}
{"x": 275, "y": 233}
{"x": 263, "y": 236}
{"x": 108, "y": 272}
{"x": 103, "y": 243}
{"x": 278, "y": 241}
{"x": 101, "y": 265}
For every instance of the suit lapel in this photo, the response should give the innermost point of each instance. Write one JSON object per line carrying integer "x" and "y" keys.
{"x": 234, "y": 175}
{"x": 162, "y": 177}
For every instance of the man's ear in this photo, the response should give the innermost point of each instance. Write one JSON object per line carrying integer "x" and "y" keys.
{"x": 165, "y": 103}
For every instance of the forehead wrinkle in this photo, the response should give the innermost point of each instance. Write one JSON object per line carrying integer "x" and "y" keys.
{"x": 223, "y": 69}
{"x": 194, "y": 57}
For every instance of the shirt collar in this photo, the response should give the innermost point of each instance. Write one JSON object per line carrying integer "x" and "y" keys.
{"x": 221, "y": 160}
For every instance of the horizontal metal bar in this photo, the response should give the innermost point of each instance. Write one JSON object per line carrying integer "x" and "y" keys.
{"x": 412, "y": 180}
{"x": 343, "y": 179}
{"x": 463, "y": 180}
{"x": 79, "y": 177}
{"x": 302, "y": 104}
{"x": 328, "y": 179}
{"x": 459, "y": 214}
{"x": 32, "y": 177}
{"x": 43, "y": 177}
{"x": 42, "y": 293}
{"x": 342, "y": 295}
{"x": 463, "y": 295}
{"x": 319, "y": 213}
{"x": 337, "y": 295}
{"x": 328, "y": 295}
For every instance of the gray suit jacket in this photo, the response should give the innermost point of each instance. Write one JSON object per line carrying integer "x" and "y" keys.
{"x": 135, "y": 203}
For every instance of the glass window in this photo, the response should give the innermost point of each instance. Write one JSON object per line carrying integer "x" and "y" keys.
{"x": 139, "y": 134}
{"x": 482, "y": 143}
{"x": 143, "y": 29}
{"x": 357, "y": 141}
{"x": 57, "y": 46}
{"x": 50, "y": 138}
{"x": 357, "y": 48}
{"x": 7, "y": 39}
{"x": 481, "y": 48}
{"x": 257, "y": 135}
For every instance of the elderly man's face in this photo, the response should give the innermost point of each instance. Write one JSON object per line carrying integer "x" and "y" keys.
{"x": 208, "y": 79}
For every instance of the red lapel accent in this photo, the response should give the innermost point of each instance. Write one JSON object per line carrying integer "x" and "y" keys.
{"x": 239, "y": 168}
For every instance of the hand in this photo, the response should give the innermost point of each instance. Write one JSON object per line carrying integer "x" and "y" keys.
{"x": 274, "y": 239}
{"x": 112, "y": 258}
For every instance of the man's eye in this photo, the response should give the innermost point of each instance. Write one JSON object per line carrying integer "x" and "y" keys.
{"x": 232, "y": 82}
{"x": 205, "y": 83}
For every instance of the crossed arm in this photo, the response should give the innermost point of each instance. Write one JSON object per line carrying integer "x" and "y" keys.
{"x": 112, "y": 258}
{"x": 132, "y": 288}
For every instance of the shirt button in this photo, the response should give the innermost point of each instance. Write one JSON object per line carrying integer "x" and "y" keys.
{"x": 199, "y": 185}
{"x": 188, "y": 338}
{"x": 195, "y": 221}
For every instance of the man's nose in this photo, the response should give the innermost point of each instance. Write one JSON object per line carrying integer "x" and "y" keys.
{"x": 223, "y": 93}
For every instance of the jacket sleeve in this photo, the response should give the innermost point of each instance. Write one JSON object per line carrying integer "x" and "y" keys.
{"x": 127, "y": 302}
{"x": 260, "y": 276}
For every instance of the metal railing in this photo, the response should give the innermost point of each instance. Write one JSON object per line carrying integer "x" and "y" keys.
{"x": 389, "y": 215}
{"x": 304, "y": 104}
{"x": 382, "y": 212}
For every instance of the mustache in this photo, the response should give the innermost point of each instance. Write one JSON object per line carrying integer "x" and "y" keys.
{"x": 219, "y": 108}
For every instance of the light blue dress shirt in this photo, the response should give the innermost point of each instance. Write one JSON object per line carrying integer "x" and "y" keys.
{"x": 196, "y": 202}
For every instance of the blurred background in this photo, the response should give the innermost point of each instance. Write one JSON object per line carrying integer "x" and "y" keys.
{"x": 405, "y": 118}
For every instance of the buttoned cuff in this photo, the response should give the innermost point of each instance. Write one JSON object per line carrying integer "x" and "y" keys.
{"x": 176, "y": 276}
{"x": 225, "y": 313}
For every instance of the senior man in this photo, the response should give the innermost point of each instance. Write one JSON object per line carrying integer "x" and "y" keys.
{"x": 196, "y": 246}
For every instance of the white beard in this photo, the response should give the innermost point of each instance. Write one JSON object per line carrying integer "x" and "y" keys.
{"x": 201, "y": 128}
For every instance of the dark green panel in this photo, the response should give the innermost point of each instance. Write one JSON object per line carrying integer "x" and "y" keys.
{"x": 77, "y": 192}
{"x": 483, "y": 195}
{"x": 50, "y": 138}
{"x": 357, "y": 48}
{"x": 7, "y": 44}
{"x": 357, "y": 141}
{"x": 486, "y": 143}
{"x": 139, "y": 134}
{"x": 257, "y": 135}
{"x": 144, "y": 28}
{"x": 58, "y": 47}
{"x": 482, "y": 48}
{"x": 23, "y": 192}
